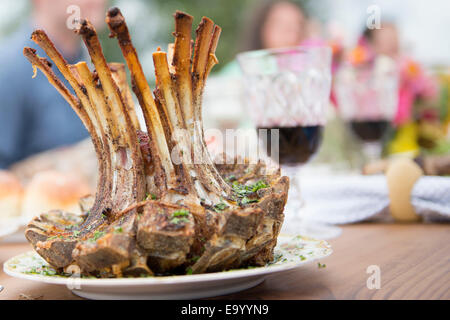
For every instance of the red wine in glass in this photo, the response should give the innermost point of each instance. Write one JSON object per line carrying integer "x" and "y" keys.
{"x": 369, "y": 130}
{"x": 297, "y": 145}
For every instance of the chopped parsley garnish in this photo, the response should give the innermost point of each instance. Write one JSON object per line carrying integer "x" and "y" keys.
{"x": 320, "y": 266}
{"x": 180, "y": 216}
{"x": 189, "y": 270}
{"x": 195, "y": 258}
{"x": 178, "y": 220}
{"x": 76, "y": 233}
{"x": 181, "y": 213}
{"x": 42, "y": 270}
{"x": 246, "y": 193}
{"x": 230, "y": 178}
{"x": 244, "y": 190}
{"x": 150, "y": 196}
{"x": 220, "y": 207}
{"x": 246, "y": 200}
{"x": 97, "y": 235}
{"x": 259, "y": 185}
{"x": 118, "y": 230}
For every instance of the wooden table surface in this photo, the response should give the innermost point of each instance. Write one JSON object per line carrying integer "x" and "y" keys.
{"x": 414, "y": 261}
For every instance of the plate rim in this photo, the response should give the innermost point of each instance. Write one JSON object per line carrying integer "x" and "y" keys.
{"x": 165, "y": 280}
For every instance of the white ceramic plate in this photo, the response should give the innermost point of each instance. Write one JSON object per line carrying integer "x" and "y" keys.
{"x": 291, "y": 252}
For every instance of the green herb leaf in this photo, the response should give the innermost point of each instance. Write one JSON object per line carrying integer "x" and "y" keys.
{"x": 220, "y": 207}
{"x": 259, "y": 185}
{"x": 247, "y": 200}
{"x": 149, "y": 196}
{"x": 246, "y": 190}
{"x": 97, "y": 235}
{"x": 181, "y": 213}
{"x": 195, "y": 258}
{"x": 230, "y": 178}
{"x": 178, "y": 220}
{"x": 76, "y": 233}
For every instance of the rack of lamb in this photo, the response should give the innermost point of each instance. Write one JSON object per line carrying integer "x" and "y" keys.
{"x": 161, "y": 205}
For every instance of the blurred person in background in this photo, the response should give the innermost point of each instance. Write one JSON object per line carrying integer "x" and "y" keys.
{"x": 417, "y": 123}
{"x": 275, "y": 24}
{"x": 33, "y": 116}
{"x": 272, "y": 24}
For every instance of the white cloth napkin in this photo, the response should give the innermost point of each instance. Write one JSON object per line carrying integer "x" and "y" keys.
{"x": 349, "y": 199}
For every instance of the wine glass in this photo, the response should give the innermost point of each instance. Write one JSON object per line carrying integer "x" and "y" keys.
{"x": 367, "y": 96}
{"x": 287, "y": 92}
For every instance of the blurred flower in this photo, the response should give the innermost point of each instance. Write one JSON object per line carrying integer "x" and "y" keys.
{"x": 415, "y": 85}
{"x": 361, "y": 54}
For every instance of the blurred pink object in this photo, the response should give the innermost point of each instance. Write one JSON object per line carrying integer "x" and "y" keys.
{"x": 414, "y": 84}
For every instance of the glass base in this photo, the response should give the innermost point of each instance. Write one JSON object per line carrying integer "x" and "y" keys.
{"x": 372, "y": 150}
{"x": 309, "y": 228}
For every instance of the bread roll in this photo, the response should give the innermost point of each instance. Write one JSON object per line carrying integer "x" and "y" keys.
{"x": 11, "y": 194}
{"x": 49, "y": 190}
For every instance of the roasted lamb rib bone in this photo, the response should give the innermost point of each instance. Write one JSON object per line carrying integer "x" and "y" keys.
{"x": 52, "y": 242}
{"x": 127, "y": 147}
{"x": 205, "y": 42}
{"x": 80, "y": 105}
{"x": 175, "y": 132}
{"x": 170, "y": 49}
{"x": 204, "y": 176}
{"x": 119, "y": 75}
{"x": 103, "y": 193}
{"x": 118, "y": 157}
{"x": 158, "y": 145}
{"x": 207, "y": 181}
{"x": 112, "y": 251}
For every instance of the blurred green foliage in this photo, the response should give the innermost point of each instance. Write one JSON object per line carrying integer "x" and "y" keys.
{"x": 227, "y": 14}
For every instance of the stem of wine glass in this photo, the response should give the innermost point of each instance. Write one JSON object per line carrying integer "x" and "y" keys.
{"x": 372, "y": 150}
{"x": 293, "y": 221}
{"x": 295, "y": 202}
